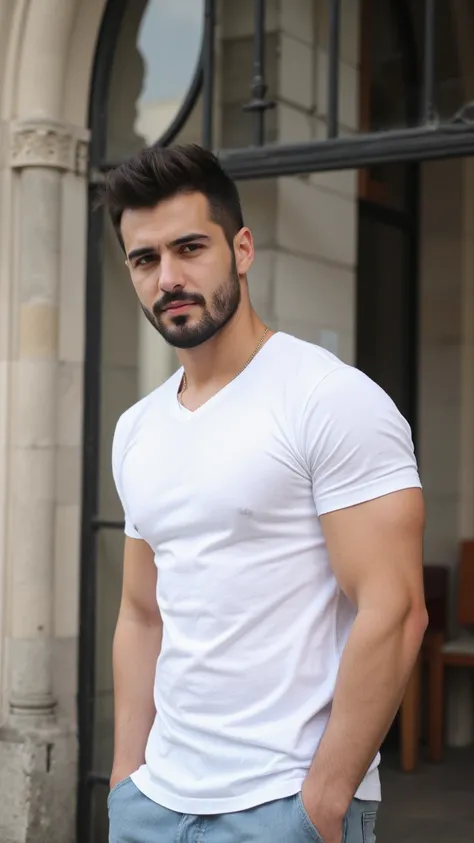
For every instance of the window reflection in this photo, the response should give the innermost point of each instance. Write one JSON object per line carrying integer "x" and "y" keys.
{"x": 392, "y": 54}
{"x": 154, "y": 65}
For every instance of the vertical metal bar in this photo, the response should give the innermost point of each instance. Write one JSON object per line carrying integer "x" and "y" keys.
{"x": 333, "y": 67}
{"x": 87, "y": 610}
{"x": 258, "y": 105}
{"x": 90, "y": 482}
{"x": 427, "y": 106}
{"x": 208, "y": 72}
{"x": 98, "y": 121}
{"x": 259, "y": 88}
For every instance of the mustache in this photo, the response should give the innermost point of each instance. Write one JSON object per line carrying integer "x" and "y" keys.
{"x": 169, "y": 299}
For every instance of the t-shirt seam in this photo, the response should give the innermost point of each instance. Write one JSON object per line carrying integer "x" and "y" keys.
{"x": 337, "y": 368}
{"x": 378, "y": 483}
{"x": 124, "y": 437}
{"x": 322, "y": 380}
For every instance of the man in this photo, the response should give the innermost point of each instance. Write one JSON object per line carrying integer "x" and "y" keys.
{"x": 273, "y": 553}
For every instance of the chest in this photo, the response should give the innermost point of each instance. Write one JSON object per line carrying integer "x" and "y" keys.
{"x": 237, "y": 477}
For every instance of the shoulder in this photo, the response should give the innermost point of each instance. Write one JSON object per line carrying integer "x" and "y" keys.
{"x": 348, "y": 397}
{"x": 129, "y": 420}
{"x": 310, "y": 363}
{"x": 310, "y": 373}
{"x": 318, "y": 376}
{"x": 350, "y": 426}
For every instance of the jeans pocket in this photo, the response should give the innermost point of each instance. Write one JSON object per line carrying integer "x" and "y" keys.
{"x": 310, "y": 829}
{"x": 368, "y": 826}
{"x": 117, "y": 787}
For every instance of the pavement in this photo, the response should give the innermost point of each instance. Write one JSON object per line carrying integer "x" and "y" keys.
{"x": 435, "y": 804}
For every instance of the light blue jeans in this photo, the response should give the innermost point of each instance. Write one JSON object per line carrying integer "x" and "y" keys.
{"x": 136, "y": 819}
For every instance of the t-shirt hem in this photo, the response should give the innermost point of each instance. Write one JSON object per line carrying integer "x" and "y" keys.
{"x": 130, "y": 532}
{"x": 369, "y": 492}
{"x": 369, "y": 790}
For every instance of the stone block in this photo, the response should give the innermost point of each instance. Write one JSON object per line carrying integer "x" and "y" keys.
{"x": 260, "y": 280}
{"x": 33, "y": 423}
{"x": 66, "y": 571}
{"x": 342, "y": 182}
{"x": 348, "y": 91}
{"x": 70, "y": 399}
{"x": 297, "y": 19}
{"x": 38, "y": 785}
{"x": 259, "y": 199}
{"x": 294, "y": 124}
{"x": 309, "y": 289}
{"x": 65, "y": 654}
{"x": 238, "y": 18}
{"x": 296, "y": 72}
{"x": 72, "y": 276}
{"x": 315, "y": 223}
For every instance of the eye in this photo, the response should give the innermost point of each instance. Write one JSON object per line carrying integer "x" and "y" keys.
{"x": 189, "y": 248}
{"x": 144, "y": 260}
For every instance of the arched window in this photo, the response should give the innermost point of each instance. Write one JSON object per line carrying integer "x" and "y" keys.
{"x": 155, "y": 75}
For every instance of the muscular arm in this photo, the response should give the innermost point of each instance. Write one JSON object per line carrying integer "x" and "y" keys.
{"x": 137, "y": 644}
{"x": 375, "y": 550}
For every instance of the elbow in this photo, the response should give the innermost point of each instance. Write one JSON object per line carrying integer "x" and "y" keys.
{"x": 409, "y": 617}
{"x": 415, "y": 624}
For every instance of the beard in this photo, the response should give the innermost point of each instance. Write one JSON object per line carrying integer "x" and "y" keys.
{"x": 181, "y": 332}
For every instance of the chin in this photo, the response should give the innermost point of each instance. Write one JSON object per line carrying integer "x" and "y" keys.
{"x": 185, "y": 341}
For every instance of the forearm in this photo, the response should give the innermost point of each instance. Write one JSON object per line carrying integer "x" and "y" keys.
{"x": 135, "y": 652}
{"x": 374, "y": 670}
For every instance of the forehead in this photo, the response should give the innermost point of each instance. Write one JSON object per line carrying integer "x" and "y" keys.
{"x": 170, "y": 219}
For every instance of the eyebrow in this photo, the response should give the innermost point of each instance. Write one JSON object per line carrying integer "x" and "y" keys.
{"x": 179, "y": 241}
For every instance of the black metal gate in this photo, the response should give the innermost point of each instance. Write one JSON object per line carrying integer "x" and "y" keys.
{"x": 424, "y": 137}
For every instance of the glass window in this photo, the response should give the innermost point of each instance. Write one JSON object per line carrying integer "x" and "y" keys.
{"x": 385, "y": 302}
{"x": 392, "y": 57}
{"x": 155, "y": 62}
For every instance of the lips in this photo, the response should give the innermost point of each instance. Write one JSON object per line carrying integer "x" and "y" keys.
{"x": 177, "y": 306}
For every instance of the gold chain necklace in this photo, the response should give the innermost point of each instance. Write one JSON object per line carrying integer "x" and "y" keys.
{"x": 184, "y": 382}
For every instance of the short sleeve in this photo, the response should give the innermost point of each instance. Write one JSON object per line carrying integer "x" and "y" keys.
{"x": 356, "y": 443}
{"x": 118, "y": 451}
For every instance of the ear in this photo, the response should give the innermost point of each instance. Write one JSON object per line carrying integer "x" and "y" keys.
{"x": 244, "y": 250}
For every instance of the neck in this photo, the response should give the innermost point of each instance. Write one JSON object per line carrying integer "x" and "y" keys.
{"x": 219, "y": 359}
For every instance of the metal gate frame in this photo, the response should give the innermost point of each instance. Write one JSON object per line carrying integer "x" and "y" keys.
{"x": 425, "y": 138}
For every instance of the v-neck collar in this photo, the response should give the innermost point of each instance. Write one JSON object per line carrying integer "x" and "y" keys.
{"x": 185, "y": 415}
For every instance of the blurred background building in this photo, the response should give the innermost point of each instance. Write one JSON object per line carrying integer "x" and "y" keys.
{"x": 349, "y": 127}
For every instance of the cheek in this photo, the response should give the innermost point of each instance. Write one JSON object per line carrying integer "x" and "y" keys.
{"x": 209, "y": 272}
{"x": 145, "y": 287}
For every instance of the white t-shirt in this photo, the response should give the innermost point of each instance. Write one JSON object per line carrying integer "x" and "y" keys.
{"x": 254, "y": 623}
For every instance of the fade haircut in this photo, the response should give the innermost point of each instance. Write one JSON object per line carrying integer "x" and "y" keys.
{"x": 158, "y": 173}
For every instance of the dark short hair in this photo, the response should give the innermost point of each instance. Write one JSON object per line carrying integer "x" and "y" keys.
{"x": 158, "y": 173}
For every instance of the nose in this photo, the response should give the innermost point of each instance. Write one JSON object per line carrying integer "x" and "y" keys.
{"x": 170, "y": 278}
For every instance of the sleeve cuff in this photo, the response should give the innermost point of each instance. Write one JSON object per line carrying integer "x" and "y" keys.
{"x": 368, "y": 492}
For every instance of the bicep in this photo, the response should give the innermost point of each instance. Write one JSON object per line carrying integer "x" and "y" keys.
{"x": 139, "y": 581}
{"x": 376, "y": 549}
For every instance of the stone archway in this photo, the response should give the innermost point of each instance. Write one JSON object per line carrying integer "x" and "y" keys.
{"x": 48, "y": 50}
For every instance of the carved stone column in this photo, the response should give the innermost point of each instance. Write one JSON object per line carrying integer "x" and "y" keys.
{"x": 42, "y": 151}
{"x": 49, "y": 144}
{"x": 37, "y": 750}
